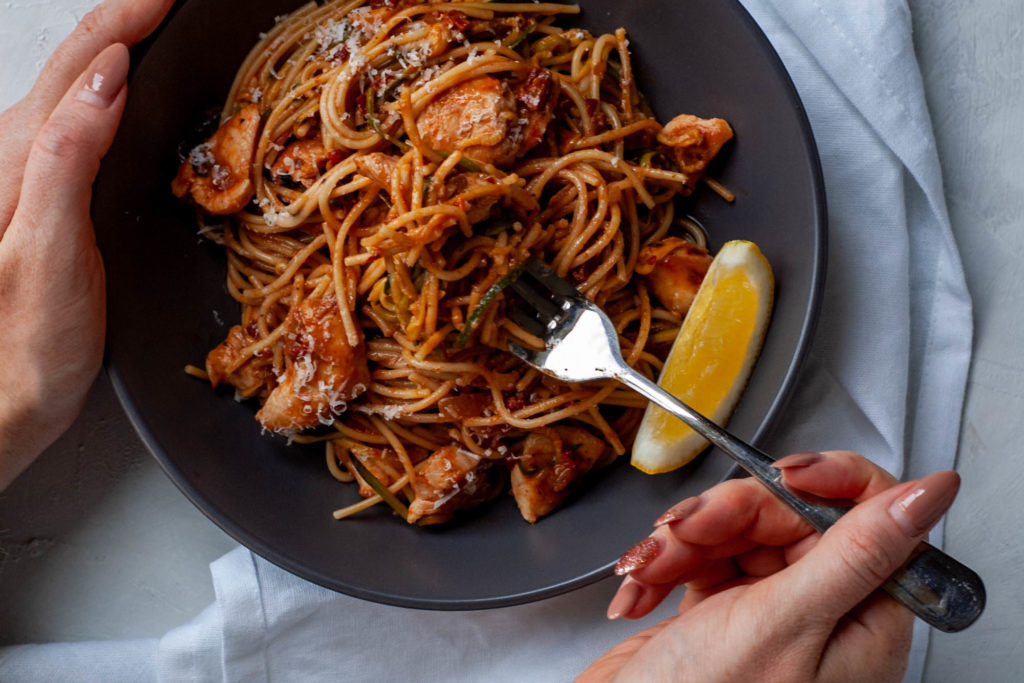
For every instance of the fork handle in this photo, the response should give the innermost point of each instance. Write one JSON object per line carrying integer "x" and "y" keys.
{"x": 937, "y": 588}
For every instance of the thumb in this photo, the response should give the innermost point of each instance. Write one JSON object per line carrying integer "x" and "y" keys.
{"x": 66, "y": 154}
{"x": 857, "y": 555}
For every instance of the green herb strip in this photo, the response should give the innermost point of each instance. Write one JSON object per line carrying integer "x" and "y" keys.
{"x": 464, "y": 163}
{"x": 371, "y": 115}
{"x": 485, "y": 303}
{"x": 379, "y": 488}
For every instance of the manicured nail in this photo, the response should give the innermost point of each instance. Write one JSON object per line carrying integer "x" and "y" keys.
{"x": 798, "y": 460}
{"x": 105, "y": 77}
{"x": 920, "y": 508}
{"x": 640, "y": 555}
{"x": 625, "y": 599}
{"x": 679, "y": 511}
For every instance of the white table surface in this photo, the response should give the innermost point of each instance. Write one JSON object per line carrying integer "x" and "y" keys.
{"x": 96, "y": 543}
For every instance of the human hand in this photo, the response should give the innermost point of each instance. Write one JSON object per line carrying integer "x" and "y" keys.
{"x": 768, "y": 598}
{"x": 52, "y": 309}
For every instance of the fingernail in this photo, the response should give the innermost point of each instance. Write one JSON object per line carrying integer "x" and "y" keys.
{"x": 640, "y": 555}
{"x": 798, "y": 460}
{"x": 105, "y": 77}
{"x": 624, "y": 600}
{"x": 679, "y": 511}
{"x": 917, "y": 511}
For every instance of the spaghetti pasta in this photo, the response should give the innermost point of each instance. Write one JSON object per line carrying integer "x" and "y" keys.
{"x": 382, "y": 170}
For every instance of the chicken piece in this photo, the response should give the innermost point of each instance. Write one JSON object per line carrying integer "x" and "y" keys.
{"x": 475, "y": 117}
{"x": 489, "y": 121}
{"x": 253, "y": 376}
{"x": 466, "y": 405}
{"x": 674, "y": 269}
{"x": 552, "y": 460}
{"x": 217, "y": 173}
{"x": 383, "y": 463}
{"x": 302, "y": 161}
{"x": 377, "y": 166}
{"x": 693, "y": 142}
{"x": 452, "y": 479}
{"x": 324, "y": 372}
{"x": 480, "y": 192}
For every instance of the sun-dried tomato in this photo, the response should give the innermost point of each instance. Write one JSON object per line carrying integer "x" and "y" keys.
{"x": 535, "y": 91}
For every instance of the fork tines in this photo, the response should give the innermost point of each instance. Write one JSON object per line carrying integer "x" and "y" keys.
{"x": 548, "y": 295}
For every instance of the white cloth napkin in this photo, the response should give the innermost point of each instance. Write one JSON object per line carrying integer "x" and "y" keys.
{"x": 886, "y": 377}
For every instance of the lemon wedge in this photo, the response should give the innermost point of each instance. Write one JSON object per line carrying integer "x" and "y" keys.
{"x": 712, "y": 356}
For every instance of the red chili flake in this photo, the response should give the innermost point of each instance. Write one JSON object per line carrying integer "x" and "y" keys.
{"x": 460, "y": 203}
{"x": 361, "y": 103}
{"x": 252, "y": 329}
{"x": 377, "y": 4}
{"x": 341, "y": 54}
{"x": 491, "y": 180}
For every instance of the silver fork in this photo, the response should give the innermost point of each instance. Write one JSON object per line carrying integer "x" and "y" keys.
{"x": 582, "y": 345}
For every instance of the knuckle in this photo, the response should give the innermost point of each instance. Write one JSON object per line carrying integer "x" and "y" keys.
{"x": 867, "y": 558}
{"x": 95, "y": 23}
{"x": 60, "y": 138}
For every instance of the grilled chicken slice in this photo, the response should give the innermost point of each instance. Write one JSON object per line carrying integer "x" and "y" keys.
{"x": 488, "y": 120}
{"x": 252, "y": 377}
{"x": 674, "y": 269}
{"x": 552, "y": 459}
{"x": 475, "y": 117}
{"x": 378, "y": 167}
{"x": 302, "y": 162}
{"x": 323, "y": 372}
{"x": 693, "y": 142}
{"x": 217, "y": 173}
{"x": 452, "y": 479}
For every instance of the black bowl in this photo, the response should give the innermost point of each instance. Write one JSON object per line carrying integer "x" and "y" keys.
{"x": 168, "y": 307}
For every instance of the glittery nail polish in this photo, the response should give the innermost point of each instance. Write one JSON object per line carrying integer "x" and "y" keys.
{"x": 640, "y": 555}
